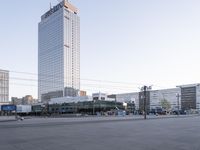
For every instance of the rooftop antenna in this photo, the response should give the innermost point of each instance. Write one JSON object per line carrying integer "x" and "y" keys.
{"x": 50, "y": 5}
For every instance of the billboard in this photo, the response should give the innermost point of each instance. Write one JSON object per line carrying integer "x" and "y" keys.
{"x": 8, "y": 107}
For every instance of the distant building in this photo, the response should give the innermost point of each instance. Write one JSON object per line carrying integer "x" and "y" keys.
{"x": 46, "y": 97}
{"x": 189, "y": 98}
{"x": 128, "y": 97}
{"x": 113, "y": 96}
{"x": 96, "y": 97}
{"x": 59, "y": 52}
{"x": 27, "y": 100}
{"x": 99, "y": 96}
{"x": 156, "y": 96}
{"x": 102, "y": 97}
{"x": 83, "y": 93}
{"x": 62, "y": 100}
{"x": 4, "y": 86}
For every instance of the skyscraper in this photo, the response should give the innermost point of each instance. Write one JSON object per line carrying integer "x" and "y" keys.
{"x": 4, "y": 86}
{"x": 59, "y": 52}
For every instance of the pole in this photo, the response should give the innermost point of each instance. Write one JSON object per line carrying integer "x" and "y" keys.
{"x": 16, "y": 113}
{"x": 178, "y": 96}
{"x": 145, "y": 99}
{"x": 93, "y": 107}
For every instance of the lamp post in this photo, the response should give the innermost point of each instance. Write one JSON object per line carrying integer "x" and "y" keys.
{"x": 145, "y": 89}
{"x": 93, "y": 111}
{"x": 145, "y": 102}
{"x": 178, "y": 96}
{"x": 133, "y": 105}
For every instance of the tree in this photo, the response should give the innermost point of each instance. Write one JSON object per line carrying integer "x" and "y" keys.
{"x": 165, "y": 104}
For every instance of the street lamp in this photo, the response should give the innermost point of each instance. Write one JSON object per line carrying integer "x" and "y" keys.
{"x": 93, "y": 107}
{"x": 133, "y": 102}
{"x": 178, "y": 96}
{"x": 144, "y": 97}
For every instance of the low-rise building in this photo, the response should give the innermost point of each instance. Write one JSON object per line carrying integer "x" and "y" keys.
{"x": 83, "y": 93}
{"x": 61, "y": 100}
{"x": 24, "y": 109}
{"x": 102, "y": 97}
{"x": 99, "y": 96}
{"x": 27, "y": 100}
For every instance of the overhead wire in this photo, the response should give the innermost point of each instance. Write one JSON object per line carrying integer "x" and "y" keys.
{"x": 101, "y": 84}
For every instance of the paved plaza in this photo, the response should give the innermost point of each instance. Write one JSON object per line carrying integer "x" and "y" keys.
{"x": 115, "y": 133}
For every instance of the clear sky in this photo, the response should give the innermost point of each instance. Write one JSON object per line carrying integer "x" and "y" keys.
{"x": 133, "y": 41}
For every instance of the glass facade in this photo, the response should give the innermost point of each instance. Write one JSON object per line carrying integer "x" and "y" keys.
{"x": 59, "y": 52}
{"x": 188, "y": 98}
{"x": 4, "y": 86}
{"x": 154, "y": 98}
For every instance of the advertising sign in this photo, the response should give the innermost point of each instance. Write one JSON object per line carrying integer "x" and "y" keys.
{"x": 8, "y": 107}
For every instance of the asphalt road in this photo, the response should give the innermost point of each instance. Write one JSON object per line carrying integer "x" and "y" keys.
{"x": 101, "y": 134}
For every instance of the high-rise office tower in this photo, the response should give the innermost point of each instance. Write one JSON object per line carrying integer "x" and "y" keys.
{"x": 59, "y": 52}
{"x": 4, "y": 86}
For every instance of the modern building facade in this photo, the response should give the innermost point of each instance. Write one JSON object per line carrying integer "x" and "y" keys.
{"x": 170, "y": 95}
{"x": 129, "y": 97}
{"x": 4, "y": 86}
{"x": 189, "y": 98}
{"x": 59, "y": 52}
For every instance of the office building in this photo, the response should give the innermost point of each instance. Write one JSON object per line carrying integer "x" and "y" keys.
{"x": 59, "y": 52}
{"x": 170, "y": 95}
{"x": 189, "y": 98}
{"x": 4, "y": 86}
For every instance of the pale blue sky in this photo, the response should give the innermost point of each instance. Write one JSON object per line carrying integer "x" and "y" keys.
{"x": 135, "y": 41}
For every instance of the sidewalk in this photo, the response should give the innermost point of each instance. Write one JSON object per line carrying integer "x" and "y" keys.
{"x": 7, "y": 118}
